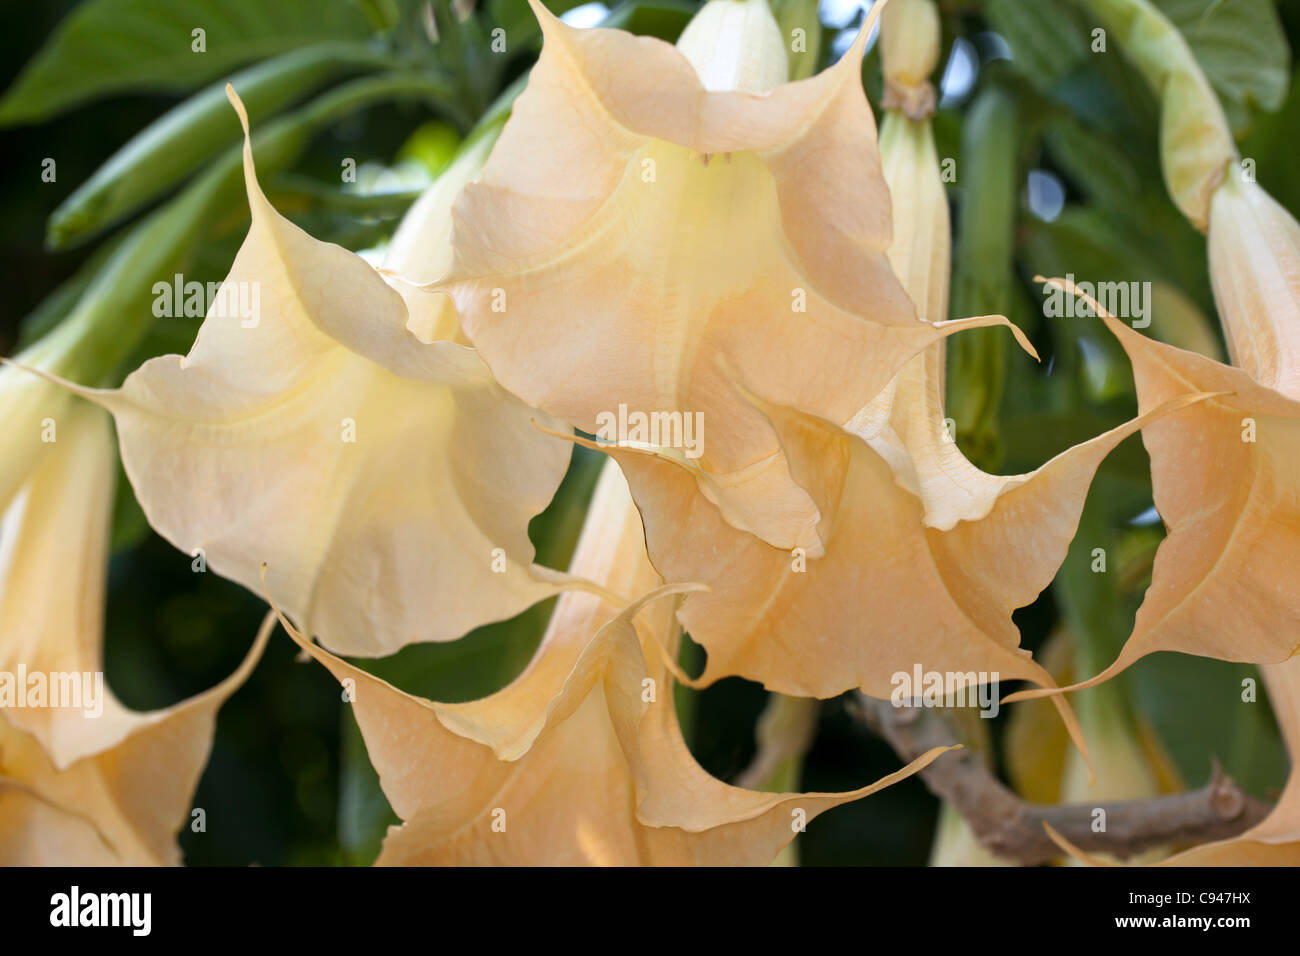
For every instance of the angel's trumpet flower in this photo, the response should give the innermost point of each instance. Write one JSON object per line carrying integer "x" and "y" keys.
{"x": 1225, "y": 484}
{"x": 652, "y": 216}
{"x": 388, "y": 484}
{"x": 83, "y": 780}
{"x": 1254, "y": 246}
{"x": 923, "y": 556}
{"x": 580, "y": 759}
{"x": 1225, "y": 475}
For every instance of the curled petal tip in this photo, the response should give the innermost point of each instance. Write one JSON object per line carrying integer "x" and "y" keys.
{"x": 1023, "y": 340}
{"x": 868, "y": 24}
{"x": 567, "y": 436}
{"x": 545, "y": 18}
{"x": 238, "y": 104}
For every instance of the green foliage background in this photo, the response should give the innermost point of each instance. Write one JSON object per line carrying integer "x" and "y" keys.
{"x": 289, "y": 782}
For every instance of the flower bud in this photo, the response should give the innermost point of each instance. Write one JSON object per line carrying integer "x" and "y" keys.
{"x": 736, "y": 45}
{"x": 909, "y": 52}
{"x": 1254, "y": 249}
{"x": 1196, "y": 143}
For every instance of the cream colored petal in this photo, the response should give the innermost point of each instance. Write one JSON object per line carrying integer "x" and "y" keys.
{"x": 391, "y": 501}
{"x": 375, "y": 542}
{"x": 420, "y": 250}
{"x": 1014, "y": 532}
{"x": 36, "y": 833}
{"x": 563, "y": 795}
{"x": 470, "y": 745}
{"x": 136, "y": 794}
{"x": 802, "y": 632}
{"x": 731, "y": 824}
{"x": 943, "y": 598}
{"x": 56, "y": 529}
{"x": 1254, "y": 247}
{"x": 736, "y": 45}
{"x": 674, "y": 239}
{"x": 570, "y": 799}
{"x": 31, "y": 406}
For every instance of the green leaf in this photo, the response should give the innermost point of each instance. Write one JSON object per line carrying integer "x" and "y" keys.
{"x": 112, "y": 46}
{"x": 665, "y": 19}
{"x": 1044, "y": 35}
{"x": 1095, "y": 164}
{"x": 982, "y": 279}
{"x": 1242, "y": 48}
{"x": 1195, "y": 706}
{"x": 802, "y": 15}
{"x": 182, "y": 139}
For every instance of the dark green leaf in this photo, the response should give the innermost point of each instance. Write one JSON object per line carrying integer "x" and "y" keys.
{"x": 111, "y": 46}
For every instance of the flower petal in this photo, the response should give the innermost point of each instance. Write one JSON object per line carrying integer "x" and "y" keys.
{"x": 135, "y": 794}
{"x": 388, "y": 484}
{"x": 1224, "y": 480}
{"x": 568, "y": 765}
{"x": 635, "y": 239}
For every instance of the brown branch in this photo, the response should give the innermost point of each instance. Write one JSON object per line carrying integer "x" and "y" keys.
{"x": 1013, "y": 828}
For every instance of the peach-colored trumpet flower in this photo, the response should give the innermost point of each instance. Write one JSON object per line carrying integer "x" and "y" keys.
{"x": 652, "y": 216}
{"x": 920, "y": 558}
{"x": 1224, "y": 474}
{"x": 580, "y": 759}
{"x": 1225, "y": 484}
{"x": 83, "y": 780}
{"x": 388, "y": 482}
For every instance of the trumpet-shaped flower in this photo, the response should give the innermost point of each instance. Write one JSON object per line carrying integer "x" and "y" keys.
{"x": 1224, "y": 480}
{"x": 580, "y": 759}
{"x": 82, "y": 778}
{"x": 387, "y": 483}
{"x": 922, "y": 557}
{"x": 1223, "y": 474}
{"x": 653, "y": 217}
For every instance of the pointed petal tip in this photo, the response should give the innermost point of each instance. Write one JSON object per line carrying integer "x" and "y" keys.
{"x": 564, "y": 436}
{"x": 545, "y": 18}
{"x": 1072, "y": 850}
{"x": 275, "y": 611}
{"x": 105, "y": 398}
{"x": 1121, "y": 663}
{"x": 238, "y": 104}
{"x": 950, "y": 326}
{"x": 868, "y": 25}
{"x": 1023, "y": 340}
